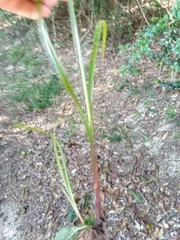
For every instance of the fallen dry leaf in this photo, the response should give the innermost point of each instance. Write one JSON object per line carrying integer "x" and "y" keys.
{"x": 175, "y": 238}
{"x": 124, "y": 222}
{"x": 178, "y": 208}
{"x": 165, "y": 136}
{"x": 158, "y": 233}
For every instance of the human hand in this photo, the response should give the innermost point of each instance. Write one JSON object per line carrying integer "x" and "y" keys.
{"x": 28, "y": 8}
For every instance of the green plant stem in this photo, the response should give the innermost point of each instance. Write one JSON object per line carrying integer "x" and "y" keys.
{"x": 88, "y": 101}
{"x": 79, "y": 53}
{"x": 97, "y": 191}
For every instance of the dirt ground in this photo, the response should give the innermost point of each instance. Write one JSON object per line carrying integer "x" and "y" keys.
{"x": 137, "y": 151}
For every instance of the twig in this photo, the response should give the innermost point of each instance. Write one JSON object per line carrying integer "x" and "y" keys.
{"x": 165, "y": 8}
{"x": 90, "y": 28}
{"x": 87, "y": 32}
{"x": 139, "y": 5}
{"x": 154, "y": 210}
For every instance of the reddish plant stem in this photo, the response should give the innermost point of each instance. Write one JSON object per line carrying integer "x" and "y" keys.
{"x": 96, "y": 181}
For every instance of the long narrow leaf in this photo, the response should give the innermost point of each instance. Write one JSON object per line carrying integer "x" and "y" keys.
{"x": 60, "y": 166}
{"x": 68, "y": 193}
{"x": 72, "y": 202}
{"x": 65, "y": 169}
{"x": 99, "y": 27}
{"x": 104, "y": 36}
{"x": 63, "y": 172}
{"x": 80, "y": 58}
{"x": 65, "y": 81}
{"x": 66, "y": 177}
{"x": 38, "y": 130}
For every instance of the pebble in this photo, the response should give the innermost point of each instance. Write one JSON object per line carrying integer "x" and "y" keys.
{"x": 50, "y": 225}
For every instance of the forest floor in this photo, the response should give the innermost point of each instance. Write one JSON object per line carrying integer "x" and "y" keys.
{"x": 137, "y": 140}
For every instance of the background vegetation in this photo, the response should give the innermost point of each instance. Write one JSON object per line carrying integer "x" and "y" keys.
{"x": 139, "y": 28}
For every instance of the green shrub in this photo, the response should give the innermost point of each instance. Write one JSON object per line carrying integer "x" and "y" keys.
{"x": 164, "y": 32}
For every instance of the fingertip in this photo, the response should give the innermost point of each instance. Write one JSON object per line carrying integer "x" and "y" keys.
{"x": 50, "y": 3}
{"x": 45, "y": 11}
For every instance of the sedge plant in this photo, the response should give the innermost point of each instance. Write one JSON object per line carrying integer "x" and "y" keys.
{"x": 86, "y": 117}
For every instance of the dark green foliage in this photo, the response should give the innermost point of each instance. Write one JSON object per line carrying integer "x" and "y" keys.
{"x": 86, "y": 200}
{"x": 170, "y": 111}
{"x": 114, "y": 137}
{"x": 161, "y": 44}
{"x": 71, "y": 213}
{"x": 24, "y": 56}
{"x": 168, "y": 33}
{"x": 126, "y": 84}
{"x": 177, "y": 136}
{"x": 89, "y": 221}
{"x": 14, "y": 55}
{"x": 130, "y": 68}
{"x": 98, "y": 6}
{"x": 121, "y": 85}
{"x": 118, "y": 134}
{"x": 6, "y": 15}
{"x": 37, "y": 96}
{"x": 169, "y": 85}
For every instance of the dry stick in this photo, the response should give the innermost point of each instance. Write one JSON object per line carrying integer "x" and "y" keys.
{"x": 129, "y": 8}
{"x": 165, "y": 8}
{"x": 154, "y": 210}
{"x": 139, "y": 5}
{"x": 87, "y": 32}
{"x": 54, "y": 28}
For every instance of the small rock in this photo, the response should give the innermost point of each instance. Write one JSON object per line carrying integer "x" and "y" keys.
{"x": 41, "y": 199}
{"x": 40, "y": 187}
{"x": 50, "y": 225}
{"x": 73, "y": 171}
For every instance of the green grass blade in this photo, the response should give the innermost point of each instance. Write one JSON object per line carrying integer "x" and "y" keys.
{"x": 100, "y": 27}
{"x": 104, "y": 36}
{"x": 38, "y": 130}
{"x": 64, "y": 173}
{"x": 65, "y": 176}
{"x": 55, "y": 142}
{"x": 65, "y": 81}
{"x": 60, "y": 166}
{"x": 73, "y": 204}
{"x": 80, "y": 59}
